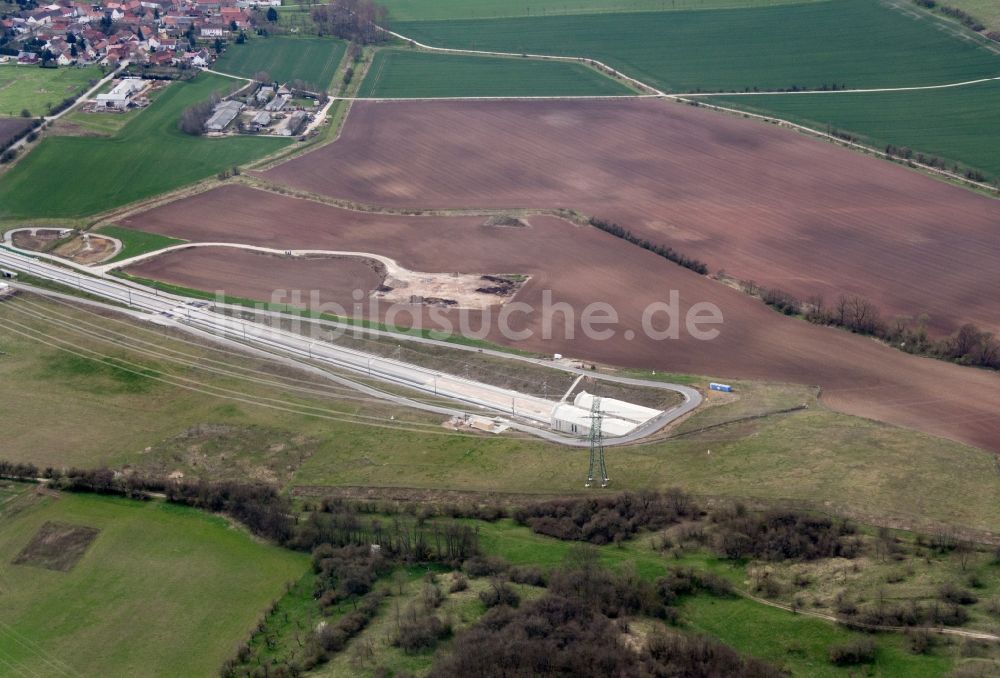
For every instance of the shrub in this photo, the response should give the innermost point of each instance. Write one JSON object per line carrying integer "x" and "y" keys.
{"x": 854, "y": 652}
{"x": 485, "y": 566}
{"x": 921, "y": 640}
{"x": 524, "y": 574}
{"x": 952, "y": 593}
{"x": 420, "y": 632}
{"x": 499, "y": 593}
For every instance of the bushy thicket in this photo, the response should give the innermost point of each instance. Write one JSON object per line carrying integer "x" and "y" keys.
{"x": 564, "y": 636}
{"x": 356, "y": 20}
{"x": 607, "y": 519}
{"x": 347, "y": 571}
{"x": 419, "y": 628}
{"x": 851, "y": 653}
{"x": 499, "y": 593}
{"x": 784, "y": 535}
{"x": 195, "y": 116}
{"x": 664, "y": 251}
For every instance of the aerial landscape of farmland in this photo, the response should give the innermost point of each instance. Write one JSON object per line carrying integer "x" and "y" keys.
{"x": 500, "y": 338}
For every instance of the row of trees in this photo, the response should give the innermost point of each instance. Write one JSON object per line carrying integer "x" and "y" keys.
{"x": 966, "y": 19}
{"x": 400, "y": 539}
{"x": 969, "y": 345}
{"x": 664, "y": 251}
{"x": 910, "y": 156}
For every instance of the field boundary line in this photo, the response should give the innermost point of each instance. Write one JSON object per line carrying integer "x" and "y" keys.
{"x": 206, "y": 69}
{"x": 873, "y": 90}
{"x": 690, "y": 99}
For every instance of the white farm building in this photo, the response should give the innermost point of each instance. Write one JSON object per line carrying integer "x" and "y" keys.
{"x": 121, "y": 95}
{"x": 225, "y": 112}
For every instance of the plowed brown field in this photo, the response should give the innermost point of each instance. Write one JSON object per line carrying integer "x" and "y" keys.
{"x": 10, "y": 127}
{"x": 581, "y": 265}
{"x": 265, "y": 277}
{"x": 763, "y": 203}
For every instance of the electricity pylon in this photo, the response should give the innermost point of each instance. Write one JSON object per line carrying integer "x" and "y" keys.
{"x": 597, "y": 445}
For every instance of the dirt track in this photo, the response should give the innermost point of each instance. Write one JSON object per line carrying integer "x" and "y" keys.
{"x": 762, "y": 203}
{"x": 858, "y": 375}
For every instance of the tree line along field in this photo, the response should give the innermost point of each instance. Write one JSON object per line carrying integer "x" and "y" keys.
{"x": 956, "y": 124}
{"x": 312, "y": 60}
{"x": 985, "y": 11}
{"x": 421, "y": 10}
{"x": 856, "y": 43}
{"x": 37, "y": 89}
{"x": 396, "y": 73}
{"x": 161, "y": 590}
{"x": 78, "y": 176}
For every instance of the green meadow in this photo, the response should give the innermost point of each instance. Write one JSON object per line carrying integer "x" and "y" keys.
{"x": 856, "y": 43}
{"x": 396, "y": 73}
{"x": 312, "y": 60}
{"x": 422, "y": 10}
{"x": 958, "y": 124}
{"x": 162, "y": 590}
{"x": 80, "y": 176}
{"x": 38, "y": 89}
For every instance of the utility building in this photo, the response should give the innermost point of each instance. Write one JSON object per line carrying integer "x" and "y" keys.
{"x": 616, "y": 409}
{"x": 121, "y": 95}
{"x": 577, "y": 421}
{"x": 223, "y": 115}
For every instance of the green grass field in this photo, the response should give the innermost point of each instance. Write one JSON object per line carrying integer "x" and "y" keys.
{"x": 80, "y": 123}
{"x": 957, "y": 124}
{"x": 856, "y": 43}
{"x": 811, "y": 458}
{"x": 422, "y": 10}
{"x": 136, "y": 242}
{"x": 313, "y": 60}
{"x": 396, "y": 73}
{"x": 800, "y": 643}
{"x": 79, "y": 176}
{"x": 162, "y": 591}
{"x": 37, "y": 89}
